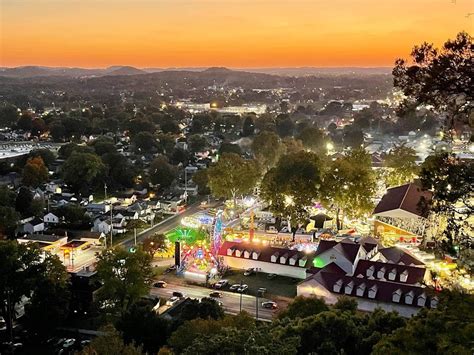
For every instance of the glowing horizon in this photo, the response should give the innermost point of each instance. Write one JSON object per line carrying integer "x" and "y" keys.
{"x": 227, "y": 33}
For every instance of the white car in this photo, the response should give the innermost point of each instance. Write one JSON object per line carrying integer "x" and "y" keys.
{"x": 234, "y": 287}
{"x": 172, "y": 301}
{"x": 243, "y": 288}
{"x": 221, "y": 283}
{"x": 69, "y": 342}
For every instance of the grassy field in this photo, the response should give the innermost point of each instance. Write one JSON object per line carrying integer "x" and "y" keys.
{"x": 278, "y": 286}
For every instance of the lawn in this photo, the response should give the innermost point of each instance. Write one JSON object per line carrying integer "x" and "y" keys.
{"x": 279, "y": 286}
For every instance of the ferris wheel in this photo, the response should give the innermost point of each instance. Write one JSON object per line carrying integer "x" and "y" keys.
{"x": 216, "y": 236}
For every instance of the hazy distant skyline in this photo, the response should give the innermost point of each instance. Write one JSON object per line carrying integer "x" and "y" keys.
{"x": 230, "y": 33}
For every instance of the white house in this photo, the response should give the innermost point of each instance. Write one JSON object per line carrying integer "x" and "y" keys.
{"x": 101, "y": 225}
{"x": 50, "y": 218}
{"x": 34, "y": 226}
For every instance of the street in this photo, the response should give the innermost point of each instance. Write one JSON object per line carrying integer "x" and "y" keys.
{"x": 230, "y": 300}
{"x": 167, "y": 225}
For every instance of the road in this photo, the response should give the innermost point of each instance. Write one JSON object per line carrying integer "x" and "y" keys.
{"x": 167, "y": 225}
{"x": 230, "y": 300}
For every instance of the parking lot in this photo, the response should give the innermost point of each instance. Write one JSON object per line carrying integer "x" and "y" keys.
{"x": 279, "y": 286}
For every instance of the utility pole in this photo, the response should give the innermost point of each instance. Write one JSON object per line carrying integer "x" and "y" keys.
{"x": 135, "y": 234}
{"x": 105, "y": 191}
{"x": 241, "y": 295}
{"x": 186, "y": 185}
{"x": 111, "y": 226}
{"x": 256, "y": 308}
{"x": 10, "y": 318}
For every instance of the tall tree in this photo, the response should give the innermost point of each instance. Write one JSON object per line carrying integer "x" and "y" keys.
{"x": 292, "y": 186}
{"x": 125, "y": 276}
{"x": 349, "y": 186}
{"x": 23, "y": 201}
{"x": 446, "y": 329}
{"x": 441, "y": 78}
{"x": 110, "y": 343}
{"x": 248, "y": 128}
{"x": 452, "y": 183}
{"x": 162, "y": 172}
{"x": 202, "y": 180}
{"x": 267, "y": 148}
{"x": 8, "y": 115}
{"x": 197, "y": 143}
{"x": 313, "y": 138}
{"x": 35, "y": 172}
{"x": 26, "y": 271}
{"x": 232, "y": 175}
{"x": 154, "y": 244}
{"x": 83, "y": 171}
{"x": 401, "y": 166}
{"x": 142, "y": 326}
{"x": 144, "y": 142}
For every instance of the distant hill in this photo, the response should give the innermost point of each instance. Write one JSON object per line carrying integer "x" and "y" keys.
{"x": 304, "y": 71}
{"x": 125, "y": 70}
{"x": 35, "y": 71}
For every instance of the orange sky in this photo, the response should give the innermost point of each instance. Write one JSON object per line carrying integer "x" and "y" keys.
{"x": 231, "y": 33}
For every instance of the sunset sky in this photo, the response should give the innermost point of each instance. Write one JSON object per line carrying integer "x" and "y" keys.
{"x": 231, "y": 33}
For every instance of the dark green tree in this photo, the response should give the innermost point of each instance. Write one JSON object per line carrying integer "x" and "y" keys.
{"x": 313, "y": 138}
{"x": 125, "y": 277}
{"x": 401, "y": 166}
{"x": 293, "y": 185}
{"x": 27, "y": 272}
{"x": 83, "y": 171}
{"x": 302, "y": 307}
{"x": 232, "y": 175}
{"x": 267, "y": 148}
{"x": 441, "y": 78}
{"x": 142, "y": 326}
{"x": 197, "y": 143}
{"x": 161, "y": 172}
{"x": 349, "y": 186}
{"x": 144, "y": 142}
{"x": 248, "y": 128}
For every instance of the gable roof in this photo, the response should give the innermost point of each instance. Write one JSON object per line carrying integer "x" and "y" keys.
{"x": 265, "y": 253}
{"x": 402, "y": 202}
{"x": 415, "y": 275}
{"x": 325, "y": 245}
{"x": 384, "y": 290}
{"x": 345, "y": 247}
{"x": 332, "y": 268}
{"x": 396, "y": 255}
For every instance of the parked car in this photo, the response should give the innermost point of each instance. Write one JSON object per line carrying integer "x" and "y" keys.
{"x": 249, "y": 272}
{"x": 178, "y": 294}
{"x": 272, "y": 230}
{"x": 69, "y": 342}
{"x": 234, "y": 287}
{"x": 172, "y": 301}
{"x": 171, "y": 268}
{"x": 85, "y": 342}
{"x": 221, "y": 283}
{"x": 269, "y": 305}
{"x": 271, "y": 276}
{"x": 215, "y": 294}
{"x": 160, "y": 284}
{"x": 243, "y": 288}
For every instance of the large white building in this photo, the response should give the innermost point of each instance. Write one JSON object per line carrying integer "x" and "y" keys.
{"x": 280, "y": 261}
{"x": 376, "y": 277}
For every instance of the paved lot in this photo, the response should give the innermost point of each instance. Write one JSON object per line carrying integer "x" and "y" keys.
{"x": 231, "y": 300}
{"x": 279, "y": 286}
